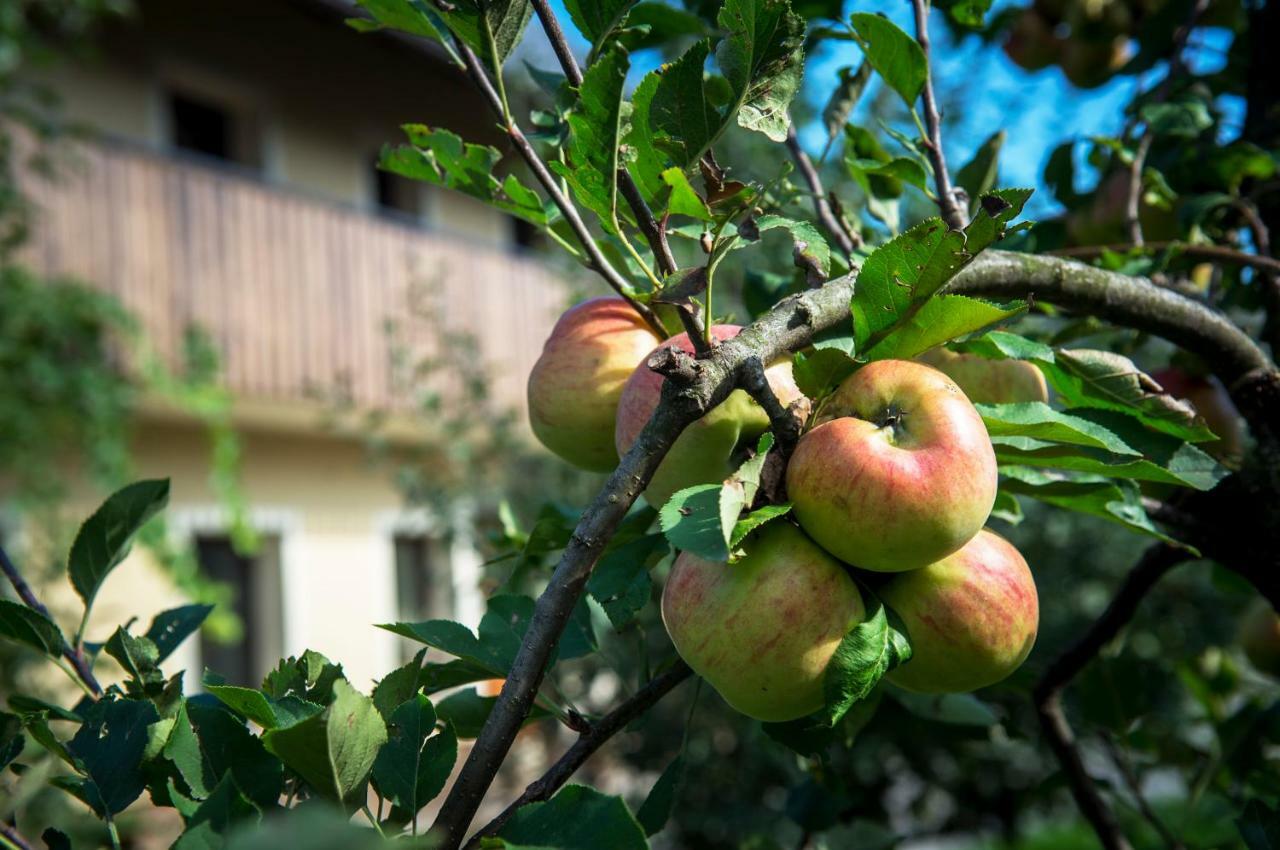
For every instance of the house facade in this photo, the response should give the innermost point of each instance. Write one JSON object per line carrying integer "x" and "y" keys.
{"x": 230, "y": 183}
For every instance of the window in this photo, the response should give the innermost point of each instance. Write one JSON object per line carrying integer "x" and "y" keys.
{"x": 394, "y": 193}
{"x": 204, "y": 126}
{"x": 424, "y": 589}
{"x": 255, "y": 584}
{"x": 525, "y": 234}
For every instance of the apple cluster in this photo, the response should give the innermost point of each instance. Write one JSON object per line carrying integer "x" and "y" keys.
{"x": 891, "y": 485}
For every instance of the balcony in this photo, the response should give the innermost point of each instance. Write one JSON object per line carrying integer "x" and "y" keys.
{"x": 295, "y": 292}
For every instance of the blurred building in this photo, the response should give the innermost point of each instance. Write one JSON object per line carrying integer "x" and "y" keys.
{"x": 230, "y": 183}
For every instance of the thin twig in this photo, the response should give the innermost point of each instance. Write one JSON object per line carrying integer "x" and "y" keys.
{"x": 544, "y": 177}
{"x": 1153, "y": 565}
{"x": 1271, "y": 292}
{"x": 596, "y": 736}
{"x": 847, "y": 238}
{"x": 1131, "y": 781}
{"x": 13, "y": 837}
{"x": 73, "y": 654}
{"x": 952, "y": 212}
{"x": 1217, "y": 253}
{"x": 785, "y": 424}
{"x": 1133, "y": 200}
{"x": 653, "y": 233}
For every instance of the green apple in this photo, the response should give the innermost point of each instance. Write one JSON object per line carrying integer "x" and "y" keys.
{"x": 898, "y": 474}
{"x": 971, "y": 617}
{"x": 575, "y": 385}
{"x": 761, "y": 630}
{"x": 989, "y": 381}
{"x": 1260, "y": 638}
{"x": 708, "y": 450}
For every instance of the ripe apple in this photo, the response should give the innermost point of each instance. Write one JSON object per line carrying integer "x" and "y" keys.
{"x": 899, "y": 473}
{"x": 971, "y": 617}
{"x": 1260, "y": 638}
{"x": 575, "y": 385}
{"x": 989, "y": 381}
{"x": 762, "y": 630}
{"x": 705, "y": 452}
{"x": 1211, "y": 401}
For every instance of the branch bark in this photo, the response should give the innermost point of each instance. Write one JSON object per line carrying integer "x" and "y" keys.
{"x": 1215, "y": 253}
{"x": 1153, "y": 565}
{"x": 788, "y": 326}
{"x": 591, "y": 740}
{"x": 544, "y": 177}
{"x": 847, "y": 239}
{"x": 653, "y": 232}
{"x": 12, "y": 837}
{"x": 952, "y": 212}
{"x": 73, "y": 654}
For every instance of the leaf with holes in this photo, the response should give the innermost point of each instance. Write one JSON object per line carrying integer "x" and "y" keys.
{"x": 595, "y": 131}
{"x": 762, "y": 58}
{"x": 109, "y": 747}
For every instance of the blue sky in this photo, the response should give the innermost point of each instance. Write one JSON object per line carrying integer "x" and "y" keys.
{"x": 1035, "y": 109}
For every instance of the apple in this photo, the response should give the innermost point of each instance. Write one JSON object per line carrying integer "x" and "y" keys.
{"x": 899, "y": 473}
{"x": 1211, "y": 401}
{"x": 761, "y": 630}
{"x": 707, "y": 451}
{"x": 1260, "y": 638}
{"x": 989, "y": 381}
{"x": 575, "y": 385}
{"x": 971, "y": 617}
{"x": 1031, "y": 42}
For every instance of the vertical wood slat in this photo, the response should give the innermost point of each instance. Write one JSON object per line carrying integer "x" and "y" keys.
{"x": 294, "y": 292}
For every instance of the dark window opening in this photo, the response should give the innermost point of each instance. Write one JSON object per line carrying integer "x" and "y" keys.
{"x": 393, "y": 192}
{"x": 525, "y": 234}
{"x": 255, "y": 586}
{"x": 213, "y": 129}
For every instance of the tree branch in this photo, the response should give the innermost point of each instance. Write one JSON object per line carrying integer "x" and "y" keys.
{"x": 544, "y": 177}
{"x": 1134, "y": 784}
{"x": 13, "y": 838}
{"x": 653, "y": 233}
{"x": 591, "y": 740}
{"x": 1216, "y": 253}
{"x": 790, "y": 325}
{"x": 73, "y": 654}
{"x": 952, "y": 213}
{"x": 847, "y": 239}
{"x": 1155, "y": 562}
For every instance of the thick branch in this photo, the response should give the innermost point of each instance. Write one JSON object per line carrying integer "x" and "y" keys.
{"x": 952, "y": 213}
{"x": 653, "y": 233}
{"x": 591, "y": 740}
{"x": 548, "y": 182}
{"x": 74, "y": 655}
{"x": 847, "y": 239}
{"x": 787, "y": 327}
{"x": 1155, "y": 562}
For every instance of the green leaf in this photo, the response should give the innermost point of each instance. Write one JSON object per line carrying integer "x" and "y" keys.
{"x": 818, "y": 372}
{"x": 183, "y": 750}
{"x": 576, "y": 818}
{"x": 643, "y": 138}
{"x": 109, "y": 747}
{"x": 466, "y": 712}
{"x": 655, "y": 811}
{"x": 844, "y": 98}
{"x": 755, "y": 519}
{"x": 170, "y": 628}
{"x": 442, "y": 158}
{"x": 227, "y": 745}
{"x": 684, "y": 199}
{"x": 254, "y": 705}
{"x": 1007, "y": 508}
{"x": 308, "y": 678}
{"x": 224, "y": 809}
{"x": 137, "y": 655}
{"x": 443, "y": 677}
{"x": 407, "y": 16}
{"x": 595, "y": 130}
{"x": 762, "y": 58}
{"x": 694, "y": 521}
{"x": 598, "y": 19}
{"x": 869, "y": 650}
{"x": 621, "y": 583}
{"x": 899, "y": 168}
{"x": 104, "y": 539}
{"x": 808, "y": 242}
{"x": 483, "y": 24}
{"x": 1187, "y": 467}
{"x": 1259, "y": 826}
{"x": 978, "y": 176}
{"x": 26, "y": 626}
{"x": 1040, "y": 421}
{"x": 1115, "y": 501}
{"x": 333, "y": 751}
{"x": 954, "y": 709}
{"x": 969, "y": 13}
{"x": 415, "y": 763}
{"x": 1185, "y": 118}
{"x": 12, "y": 739}
{"x": 682, "y": 120}
{"x": 896, "y": 56}
{"x": 941, "y": 319}
{"x": 400, "y": 685}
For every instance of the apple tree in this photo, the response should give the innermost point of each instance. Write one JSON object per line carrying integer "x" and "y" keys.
{"x": 810, "y": 401}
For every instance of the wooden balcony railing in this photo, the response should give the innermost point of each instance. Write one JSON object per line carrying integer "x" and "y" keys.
{"x": 295, "y": 292}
